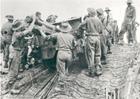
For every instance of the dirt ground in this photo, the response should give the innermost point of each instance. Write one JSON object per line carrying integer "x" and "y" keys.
{"x": 80, "y": 86}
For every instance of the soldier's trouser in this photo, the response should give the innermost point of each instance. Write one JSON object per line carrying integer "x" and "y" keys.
{"x": 14, "y": 68}
{"x": 64, "y": 59}
{"x": 103, "y": 47}
{"x": 6, "y": 54}
{"x": 126, "y": 28}
{"x": 116, "y": 39}
{"x": 109, "y": 43}
{"x": 93, "y": 52}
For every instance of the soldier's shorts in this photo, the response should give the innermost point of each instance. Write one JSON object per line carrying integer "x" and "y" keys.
{"x": 93, "y": 51}
{"x": 64, "y": 59}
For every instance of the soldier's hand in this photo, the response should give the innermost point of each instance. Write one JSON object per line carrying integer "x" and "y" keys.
{"x": 34, "y": 16}
{"x": 57, "y": 29}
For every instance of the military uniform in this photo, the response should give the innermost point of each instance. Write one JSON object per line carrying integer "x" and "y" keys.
{"x": 108, "y": 30}
{"x": 65, "y": 44}
{"x": 17, "y": 46}
{"x": 103, "y": 36}
{"x": 92, "y": 42}
{"x": 127, "y": 25}
{"x": 7, "y": 33}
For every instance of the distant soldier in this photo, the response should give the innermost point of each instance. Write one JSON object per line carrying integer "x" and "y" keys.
{"x": 102, "y": 36}
{"x": 92, "y": 43}
{"x": 108, "y": 16}
{"x": 109, "y": 29}
{"x": 128, "y": 23}
{"x": 7, "y": 33}
{"x": 65, "y": 42}
{"x": 18, "y": 46}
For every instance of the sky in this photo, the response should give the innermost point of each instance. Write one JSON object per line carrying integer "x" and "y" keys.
{"x": 64, "y": 8}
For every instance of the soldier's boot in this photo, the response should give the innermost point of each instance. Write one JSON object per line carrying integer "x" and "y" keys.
{"x": 104, "y": 61}
{"x": 5, "y": 64}
{"x": 109, "y": 50}
{"x": 5, "y": 90}
{"x": 7, "y": 87}
{"x": 130, "y": 41}
{"x": 5, "y": 69}
{"x": 120, "y": 42}
{"x": 90, "y": 73}
{"x": 98, "y": 66}
{"x": 60, "y": 86}
{"x": 21, "y": 69}
{"x": 99, "y": 70}
{"x": 15, "y": 90}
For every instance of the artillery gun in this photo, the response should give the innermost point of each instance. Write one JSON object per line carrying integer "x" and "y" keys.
{"x": 49, "y": 48}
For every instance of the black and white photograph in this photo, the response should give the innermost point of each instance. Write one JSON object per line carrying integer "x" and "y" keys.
{"x": 69, "y": 49}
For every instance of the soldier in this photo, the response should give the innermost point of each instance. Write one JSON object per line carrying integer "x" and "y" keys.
{"x": 108, "y": 16}
{"x": 102, "y": 36}
{"x": 128, "y": 23}
{"x": 109, "y": 30}
{"x": 7, "y": 33}
{"x": 65, "y": 42}
{"x": 92, "y": 43}
{"x": 17, "y": 45}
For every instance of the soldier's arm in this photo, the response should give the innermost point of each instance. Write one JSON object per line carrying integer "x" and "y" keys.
{"x": 48, "y": 37}
{"x": 134, "y": 14}
{"x": 46, "y": 24}
{"x": 137, "y": 24}
{"x": 99, "y": 26}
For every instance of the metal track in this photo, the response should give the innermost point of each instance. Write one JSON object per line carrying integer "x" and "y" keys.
{"x": 48, "y": 87}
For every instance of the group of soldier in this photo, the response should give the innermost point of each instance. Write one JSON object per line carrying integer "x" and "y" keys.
{"x": 21, "y": 41}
